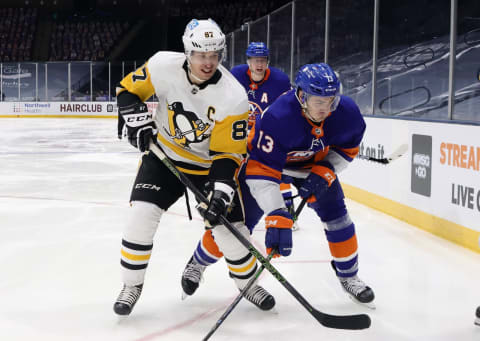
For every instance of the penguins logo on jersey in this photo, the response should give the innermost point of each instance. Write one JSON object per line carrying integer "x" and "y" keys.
{"x": 185, "y": 126}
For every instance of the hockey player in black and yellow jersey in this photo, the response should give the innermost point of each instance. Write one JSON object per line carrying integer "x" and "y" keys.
{"x": 201, "y": 125}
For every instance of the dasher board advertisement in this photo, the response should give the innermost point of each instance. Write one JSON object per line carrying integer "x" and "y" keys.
{"x": 439, "y": 175}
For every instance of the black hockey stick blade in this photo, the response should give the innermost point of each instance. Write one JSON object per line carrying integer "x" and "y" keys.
{"x": 392, "y": 157}
{"x": 352, "y": 322}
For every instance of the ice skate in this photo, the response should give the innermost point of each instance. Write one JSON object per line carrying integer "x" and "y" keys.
{"x": 191, "y": 277}
{"x": 358, "y": 291}
{"x": 477, "y": 317}
{"x": 127, "y": 299}
{"x": 260, "y": 297}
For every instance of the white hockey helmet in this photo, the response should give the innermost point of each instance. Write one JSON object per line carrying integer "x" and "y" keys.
{"x": 204, "y": 36}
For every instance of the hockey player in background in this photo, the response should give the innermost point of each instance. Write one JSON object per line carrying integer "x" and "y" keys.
{"x": 307, "y": 136}
{"x": 263, "y": 84}
{"x": 201, "y": 125}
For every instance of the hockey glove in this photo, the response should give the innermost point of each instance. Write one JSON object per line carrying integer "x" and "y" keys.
{"x": 220, "y": 199}
{"x": 140, "y": 126}
{"x": 321, "y": 177}
{"x": 279, "y": 232}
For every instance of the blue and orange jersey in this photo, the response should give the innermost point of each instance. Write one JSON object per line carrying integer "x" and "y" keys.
{"x": 261, "y": 94}
{"x": 283, "y": 138}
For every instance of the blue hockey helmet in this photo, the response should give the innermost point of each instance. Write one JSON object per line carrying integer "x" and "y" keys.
{"x": 318, "y": 80}
{"x": 257, "y": 49}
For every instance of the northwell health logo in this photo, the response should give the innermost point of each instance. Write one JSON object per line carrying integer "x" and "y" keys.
{"x": 30, "y": 108}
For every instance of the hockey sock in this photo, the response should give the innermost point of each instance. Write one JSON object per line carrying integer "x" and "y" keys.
{"x": 342, "y": 242}
{"x": 207, "y": 251}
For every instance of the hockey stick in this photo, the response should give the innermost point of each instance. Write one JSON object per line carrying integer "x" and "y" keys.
{"x": 250, "y": 283}
{"x": 360, "y": 321}
{"x": 392, "y": 157}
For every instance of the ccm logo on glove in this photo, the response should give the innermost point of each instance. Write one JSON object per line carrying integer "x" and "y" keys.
{"x": 141, "y": 118}
{"x": 141, "y": 128}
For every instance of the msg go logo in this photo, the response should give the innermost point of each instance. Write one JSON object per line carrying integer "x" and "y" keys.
{"x": 421, "y": 175}
{"x": 421, "y": 162}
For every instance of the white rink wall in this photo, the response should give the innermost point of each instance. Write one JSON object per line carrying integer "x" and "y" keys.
{"x": 58, "y": 109}
{"x": 62, "y": 109}
{"x": 435, "y": 185}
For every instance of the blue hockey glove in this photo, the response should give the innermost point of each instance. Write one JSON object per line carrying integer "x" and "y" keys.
{"x": 279, "y": 232}
{"x": 321, "y": 177}
{"x": 140, "y": 126}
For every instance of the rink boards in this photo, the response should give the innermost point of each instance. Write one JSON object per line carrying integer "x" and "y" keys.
{"x": 59, "y": 109}
{"x": 435, "y": 185}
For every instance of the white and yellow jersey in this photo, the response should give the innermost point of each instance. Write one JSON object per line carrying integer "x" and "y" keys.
{"x": 196, "y": 124}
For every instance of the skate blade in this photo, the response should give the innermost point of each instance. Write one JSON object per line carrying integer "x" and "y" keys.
{"x": 184, "y": 295}
{"x": 295, "y": 227}
{"x": 477, "y": 322}
{"x": 369, "y": 305}
{"x": 121, "y": 318}
{"x": 273, "y": 311}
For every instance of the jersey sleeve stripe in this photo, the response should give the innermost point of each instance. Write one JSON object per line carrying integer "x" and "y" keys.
{"x": 258, "y": 170}
{"x": 139, "y": 82}
{"x": 320, "y": 155}
{"x": 348, "y": 153}
{"x": 236, "y": 158}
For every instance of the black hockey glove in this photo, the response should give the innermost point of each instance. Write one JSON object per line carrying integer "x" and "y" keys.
{"x": 220, "y": 199}
{"x": 140, "y": 126}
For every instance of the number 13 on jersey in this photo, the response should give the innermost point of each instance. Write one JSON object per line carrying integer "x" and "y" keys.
{"x": 265, "y": 142}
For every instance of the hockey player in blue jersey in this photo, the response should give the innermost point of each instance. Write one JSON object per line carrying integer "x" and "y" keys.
{"x": 263, "y": 83}
{"x": 308, "y": 135}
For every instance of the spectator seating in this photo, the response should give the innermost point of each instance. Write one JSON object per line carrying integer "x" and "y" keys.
{"x": 17, "y": 32}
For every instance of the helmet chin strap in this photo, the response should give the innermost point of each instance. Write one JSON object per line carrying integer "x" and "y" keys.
{"x": 190, "y": 73}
